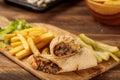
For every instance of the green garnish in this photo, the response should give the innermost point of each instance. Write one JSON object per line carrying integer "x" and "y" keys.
{"x": 2, "y": 45}
{"x": 14, "y": 26}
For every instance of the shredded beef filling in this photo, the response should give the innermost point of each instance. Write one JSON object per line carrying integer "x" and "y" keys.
{"x": 47, "y": 66}
{"x": 62, "y": 49}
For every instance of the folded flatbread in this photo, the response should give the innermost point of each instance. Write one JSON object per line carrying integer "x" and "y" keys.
{"x": 49, "y": 64}
{"x": 64, "y": 46}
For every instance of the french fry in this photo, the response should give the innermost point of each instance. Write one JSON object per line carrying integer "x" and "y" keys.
{"x": 34, "y": 49}
{"x": 8, "y": 36}
{"x": 98, "y": 45}
{"x": 24, "y": 42}
{"x": 83, "y": 44}
{"x": 32, "y": 31}
{"x": 87, "y": 39}
{"x": 23, "y": 33}
{"x": 105, "y": 47}
{"x": 42, "y": 43}
{"x": 16, "y": 44}
{"x": 115, "y": 57}
{"x": 117, "y": 54}
{"x": 103, "y": 54}
{"x": 35, "y": 29}
{"x": 15, "y": 50}
{"x": 36, "y": 39}
{"x": 15, "y": 39}
{"x": 45, "y": 51}
{"x": 46, "y": 36}
{"x": 22, "y": 54}
{"x": 35, "y": 33}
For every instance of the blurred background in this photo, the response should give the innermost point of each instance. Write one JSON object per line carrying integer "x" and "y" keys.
{"x": 70, "y": 15}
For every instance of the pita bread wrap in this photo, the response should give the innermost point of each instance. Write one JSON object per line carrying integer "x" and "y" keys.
{"x": 64, "y": 46}
{"x": 65, "y": 56}
{"x": 49, "y": 64}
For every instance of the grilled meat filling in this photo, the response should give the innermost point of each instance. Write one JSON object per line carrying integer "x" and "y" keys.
{"x": 62, "y": 49}
{"x": 47, "y": 66}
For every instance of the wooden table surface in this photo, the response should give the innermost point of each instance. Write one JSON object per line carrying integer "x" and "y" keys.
{"x": 71, "y": 15}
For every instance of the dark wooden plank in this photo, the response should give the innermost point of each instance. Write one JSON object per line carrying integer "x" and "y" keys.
{"x": 11, "y": 71}
{"x": 72, "y": 16}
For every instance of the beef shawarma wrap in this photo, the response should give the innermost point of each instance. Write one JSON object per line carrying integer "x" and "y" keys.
{"x": 64, "y": 46}
{"x": 49, "y": 64}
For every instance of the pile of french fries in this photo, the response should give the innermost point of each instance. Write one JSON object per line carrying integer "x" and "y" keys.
{"x": 108, "y": 2}
{"x": 28, "y": 41}
{"x": 101, "y": 51}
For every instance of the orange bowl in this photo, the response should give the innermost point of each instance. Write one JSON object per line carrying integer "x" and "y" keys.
{"x": 107, "y": 14}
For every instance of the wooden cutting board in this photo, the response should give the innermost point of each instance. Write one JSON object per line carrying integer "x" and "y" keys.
{"x": 76, "y": 75}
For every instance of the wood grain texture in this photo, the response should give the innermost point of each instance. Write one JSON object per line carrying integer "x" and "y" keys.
{"x": 71, "y": 15}
{"x": 85, "y": 74}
